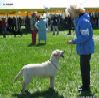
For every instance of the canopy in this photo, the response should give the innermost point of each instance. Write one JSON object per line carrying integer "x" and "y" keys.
{"x": 21, "y": 4}
{"x": 41, "y": 4}
{"x": 24, "y": 7}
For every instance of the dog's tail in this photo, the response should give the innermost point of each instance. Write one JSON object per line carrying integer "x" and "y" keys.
{"x": 18, "y": 75}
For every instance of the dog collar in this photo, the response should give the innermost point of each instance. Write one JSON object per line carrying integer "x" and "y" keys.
{"x": 53, "y": 64}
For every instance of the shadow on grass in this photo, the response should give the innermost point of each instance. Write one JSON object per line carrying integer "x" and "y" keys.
{"x": 87, "y": 95}
{"x": 37, "y": 45}
{"x": 40, "y": 94}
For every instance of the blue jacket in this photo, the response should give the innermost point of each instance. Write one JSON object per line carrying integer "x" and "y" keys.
{"x": 84, "y": 35}
{"x": 41, "y": 26}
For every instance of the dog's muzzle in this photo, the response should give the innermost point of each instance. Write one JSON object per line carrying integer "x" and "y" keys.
{"x": 62, "y": 54}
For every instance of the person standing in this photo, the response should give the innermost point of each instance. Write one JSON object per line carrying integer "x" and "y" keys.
{"x": 84, "y": 43}
{"x": 33, "y": 28}
{"x": 27, "y": 24}
{"x": 55, "y": 23}
{"x": 69, "y": 21}
{"x": 4, "y": 27}
{"x": 41, "y": 27}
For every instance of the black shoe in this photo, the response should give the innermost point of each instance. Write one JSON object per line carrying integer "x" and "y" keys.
{"x": 27, "y": 92}
{"x": 83, "y": 89}
{"x": 86, "y": 93}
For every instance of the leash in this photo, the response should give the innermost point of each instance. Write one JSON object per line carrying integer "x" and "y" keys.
{"x": 71, "y": 46}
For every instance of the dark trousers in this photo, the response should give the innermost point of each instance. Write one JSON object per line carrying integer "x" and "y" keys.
{"x": 85, "y": 70}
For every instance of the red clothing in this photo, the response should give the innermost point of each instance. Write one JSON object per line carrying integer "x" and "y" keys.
{"x": 33, "y": 37}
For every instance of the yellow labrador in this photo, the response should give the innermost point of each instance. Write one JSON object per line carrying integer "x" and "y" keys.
{"x": 45, "y": 69}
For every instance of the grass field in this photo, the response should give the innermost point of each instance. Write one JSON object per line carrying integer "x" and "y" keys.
{"x": 15, "y": 52}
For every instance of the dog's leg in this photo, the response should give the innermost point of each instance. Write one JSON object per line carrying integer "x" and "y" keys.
{"x": 25, "y": 83}
{"x": 23, "y": 87}
{"x": 52, "y": 82}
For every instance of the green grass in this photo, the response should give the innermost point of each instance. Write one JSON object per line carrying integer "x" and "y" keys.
{"x": 15, "y": 52}
{"x": 96, "y": 32}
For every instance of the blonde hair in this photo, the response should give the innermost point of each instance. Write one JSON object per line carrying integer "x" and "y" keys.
{"x": 74, "y": 10}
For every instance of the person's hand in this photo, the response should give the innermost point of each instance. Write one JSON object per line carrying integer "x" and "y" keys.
{"x": 70, "y": 42}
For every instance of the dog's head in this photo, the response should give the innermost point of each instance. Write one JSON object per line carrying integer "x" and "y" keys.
{"x": 56, "y": 54}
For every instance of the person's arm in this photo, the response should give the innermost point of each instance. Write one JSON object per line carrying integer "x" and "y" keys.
{"x": 36, "y": 25}
{"x": 84, "y": 32}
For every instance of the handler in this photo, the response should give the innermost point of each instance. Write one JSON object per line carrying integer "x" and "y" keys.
{"x": 84, "y": 43}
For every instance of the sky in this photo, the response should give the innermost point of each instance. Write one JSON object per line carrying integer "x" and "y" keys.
{"x": 36, "y": 4}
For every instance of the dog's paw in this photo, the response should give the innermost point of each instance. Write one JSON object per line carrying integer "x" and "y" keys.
{"x": 51, "y": 89}
{"x": 27, "y": 92}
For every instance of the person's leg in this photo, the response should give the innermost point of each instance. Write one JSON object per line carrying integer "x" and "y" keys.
{"x": 57, "y": 30}
{"x": 85, "y": 71}
{"x": 39, "y": 37}
{"x": 44, "y": 36}
{"x": 53, "y": 30}
{"x": 4, "y": 35}
{"x": 69, "y": 32}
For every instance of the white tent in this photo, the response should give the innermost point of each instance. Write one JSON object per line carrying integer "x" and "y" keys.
{"x": 40, "y": 4}
{"x": 21, "y": 4}
{"x": 67, "y": 3}
{"x": 91, "y": 3}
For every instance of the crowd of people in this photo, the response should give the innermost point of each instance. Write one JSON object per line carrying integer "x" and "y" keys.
{"x": 34, "y": 24}
{"x": 13, "y": 25}
{"x": 10, "y": 25}
{"x": 54, "y": 23}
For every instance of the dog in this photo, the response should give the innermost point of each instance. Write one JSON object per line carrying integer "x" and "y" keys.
{"x": 45, "y": 69}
